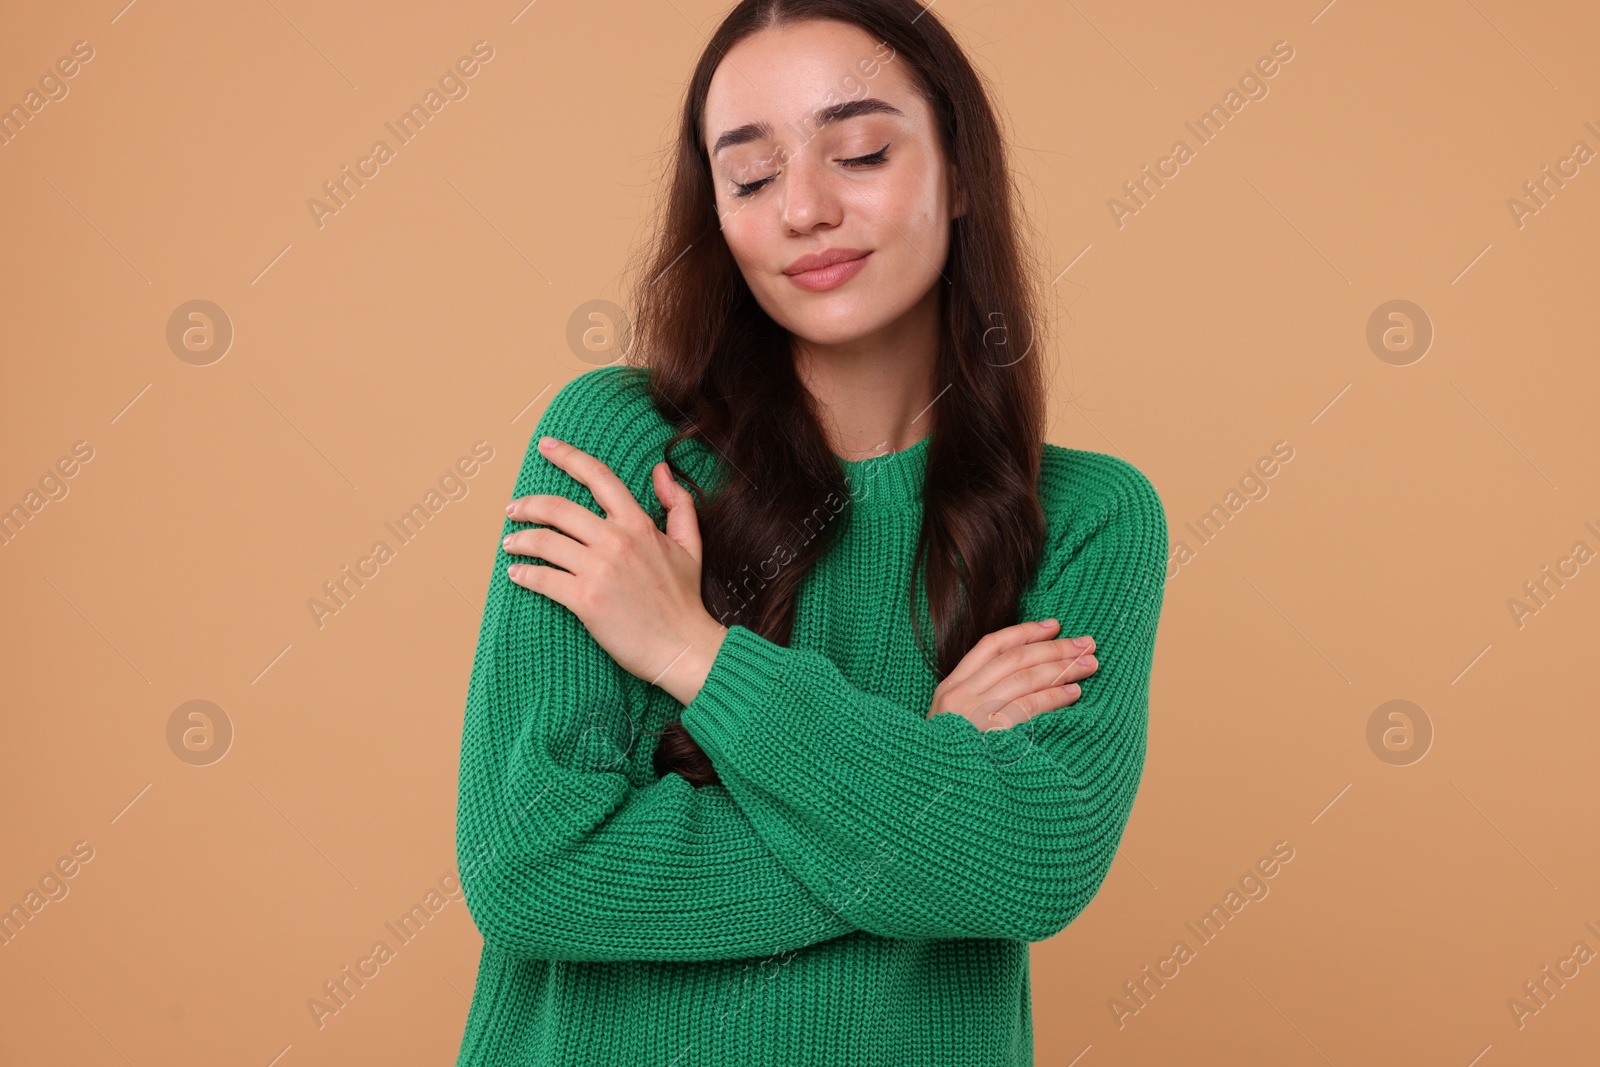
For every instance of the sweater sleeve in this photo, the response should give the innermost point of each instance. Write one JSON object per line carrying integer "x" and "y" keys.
{"x": 931, "y": 828}
{"x": 562, "y": 853}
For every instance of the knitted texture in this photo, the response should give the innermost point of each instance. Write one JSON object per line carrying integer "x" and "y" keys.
{"x": 862, "y": 886}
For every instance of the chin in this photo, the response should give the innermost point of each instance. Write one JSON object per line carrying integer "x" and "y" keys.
{"x": 832, "y": 330}
{"x": 838, "y": 319}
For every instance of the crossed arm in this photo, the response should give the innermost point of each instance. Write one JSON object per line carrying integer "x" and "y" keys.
{"x": 840, "y": 810}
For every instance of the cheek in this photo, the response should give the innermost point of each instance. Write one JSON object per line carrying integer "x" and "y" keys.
{"x": 912, "y": 202}
{"x": 741, "y": 232}
{"x": 741, "y": 245}
{"x": 909, "y": 216}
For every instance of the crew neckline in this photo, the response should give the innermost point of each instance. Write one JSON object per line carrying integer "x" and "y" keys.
{"x": 890, "y": 479}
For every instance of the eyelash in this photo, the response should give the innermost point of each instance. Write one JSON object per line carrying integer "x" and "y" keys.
{"x": 873, "y": 159}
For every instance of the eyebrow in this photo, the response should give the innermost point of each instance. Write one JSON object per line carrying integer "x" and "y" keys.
{"x": 849, "y": 109}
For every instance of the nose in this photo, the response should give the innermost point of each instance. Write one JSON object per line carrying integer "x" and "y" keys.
{"x": 809, "y": 197}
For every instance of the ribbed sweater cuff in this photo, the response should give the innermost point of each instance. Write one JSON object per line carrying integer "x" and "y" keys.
{"x": 737, "y": 692}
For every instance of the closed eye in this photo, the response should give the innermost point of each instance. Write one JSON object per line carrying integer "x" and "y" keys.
{"x": 874, "y": 159}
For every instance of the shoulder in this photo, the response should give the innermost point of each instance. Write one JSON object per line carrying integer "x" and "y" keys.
{"x": 1104, "y": 572}
{"x": 607, "y": 412}
{"x": 1088, "y": 494}
{"x": 598, "y": 403}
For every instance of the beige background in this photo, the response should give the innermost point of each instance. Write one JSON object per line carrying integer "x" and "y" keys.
{"x": 1228, "y": 314}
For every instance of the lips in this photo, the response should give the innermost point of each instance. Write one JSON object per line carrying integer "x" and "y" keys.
{"x": 826, "y": 258}
{"x": 830, "y": 269}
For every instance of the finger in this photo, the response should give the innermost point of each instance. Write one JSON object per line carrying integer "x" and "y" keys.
{"x": 1060, "y": 652}
{"x": 1022, "y": 709}
{"x": 1060, "y": 696}
{"x": 991, "y": 645}
{"x": 682, "y": 524}
{"x": 558, "y": 585}
{"x": 569, "y": 516}
{"x": 1036, "y": 704}
{"x": 1004, "y": 717}
{"x": 608, "y": 490}
{"x": 550, "y": 545}
{"x": 1039, "y": 679}
{"x": 1010, "y": 712}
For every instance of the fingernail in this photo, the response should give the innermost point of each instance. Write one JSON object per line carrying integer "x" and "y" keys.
{"x": 510, "y": 508}
{"x": 1081, "y": 642}
{"x": 506, "y": 541}
{"x": 1046, "y": 623}
{"x": 547, "y": 442}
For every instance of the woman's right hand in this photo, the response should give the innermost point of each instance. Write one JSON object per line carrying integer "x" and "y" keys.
{"x": 1013, "y": 674}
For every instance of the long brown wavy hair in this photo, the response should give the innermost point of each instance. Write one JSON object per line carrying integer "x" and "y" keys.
{"x": 722, "y": 371}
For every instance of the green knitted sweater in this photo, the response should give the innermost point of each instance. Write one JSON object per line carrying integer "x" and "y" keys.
{"x": 863, "y": 885}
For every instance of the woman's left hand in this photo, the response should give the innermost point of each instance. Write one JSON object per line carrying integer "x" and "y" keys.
{"x": 636, "y": 589}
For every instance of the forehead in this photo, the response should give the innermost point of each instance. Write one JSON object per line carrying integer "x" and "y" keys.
{"x": 781, "y": 75}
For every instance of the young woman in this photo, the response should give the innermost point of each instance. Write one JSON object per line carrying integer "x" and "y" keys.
{"x": 790, "y": 764}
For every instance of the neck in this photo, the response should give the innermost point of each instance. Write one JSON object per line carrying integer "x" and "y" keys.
{"x": 875, "y": 393}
